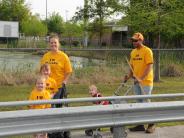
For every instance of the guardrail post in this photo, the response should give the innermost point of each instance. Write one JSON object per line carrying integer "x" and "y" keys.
{"x": 119, "y": 132}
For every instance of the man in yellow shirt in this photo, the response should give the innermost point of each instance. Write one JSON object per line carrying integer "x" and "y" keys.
{"x": 141, "y": 62}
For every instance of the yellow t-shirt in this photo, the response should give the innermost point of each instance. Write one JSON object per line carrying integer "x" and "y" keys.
{"x": 39, "y": 95}
{"x": 139, "y": 59}
{"x": 51, "y": 86}
{"x": 59, "y": 63}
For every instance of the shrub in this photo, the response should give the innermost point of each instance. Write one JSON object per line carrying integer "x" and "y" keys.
{"x": 63, "y": 43}
{"x": 172, "y": 70}
{"x": 75, "y": 43}
{"x": 104, "y": 44}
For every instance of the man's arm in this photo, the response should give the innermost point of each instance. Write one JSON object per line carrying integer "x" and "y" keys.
{"x": 146, "y": 72}
{"x": 67, "y": 76}
{"x": 127, "y": 77}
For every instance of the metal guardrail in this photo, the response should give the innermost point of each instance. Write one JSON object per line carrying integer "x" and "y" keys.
{"x": 90, "y": 99}
{"x": 54, "y": 119}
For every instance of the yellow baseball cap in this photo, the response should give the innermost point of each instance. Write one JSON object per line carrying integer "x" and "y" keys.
{"x": 137, "y": 36}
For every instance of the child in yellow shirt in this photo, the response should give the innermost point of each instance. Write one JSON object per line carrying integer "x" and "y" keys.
{"x": 40, "y": 93}
{"x": 51, "y": 85}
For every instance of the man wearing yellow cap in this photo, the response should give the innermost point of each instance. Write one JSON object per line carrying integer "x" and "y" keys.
{"x": 141, "y": 62}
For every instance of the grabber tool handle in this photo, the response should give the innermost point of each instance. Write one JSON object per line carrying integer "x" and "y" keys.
{"x": 125, "y": 79}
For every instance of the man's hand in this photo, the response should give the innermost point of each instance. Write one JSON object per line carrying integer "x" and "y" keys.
{"x": 126, "y": 77}
{"x": 138, "y": 79}
{"x": 64, "y": 82}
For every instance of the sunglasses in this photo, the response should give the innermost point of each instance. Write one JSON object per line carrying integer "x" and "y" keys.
{"x": 133, "y": 40}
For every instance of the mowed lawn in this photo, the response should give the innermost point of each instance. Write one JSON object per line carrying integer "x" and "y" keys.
{"x": 21, "y": 92}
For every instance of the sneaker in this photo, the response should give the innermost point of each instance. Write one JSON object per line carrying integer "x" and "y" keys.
{"x": 137, "y": 128}
{"x": 151, "y": 128}
{"x": 111, "y": 129}
{"x": 56, "y": 135}
{"x": 89, "y": 132}
{"x": 67, "y": 134}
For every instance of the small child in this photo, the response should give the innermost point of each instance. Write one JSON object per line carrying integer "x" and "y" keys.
{"x": 51, "y": 85}
{"x": 93, "y": 90}
{"x": 40, "y": 93}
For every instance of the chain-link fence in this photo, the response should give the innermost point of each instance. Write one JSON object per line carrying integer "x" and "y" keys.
{"x": 94, "y": 65}
{"x": 167, "y": 62}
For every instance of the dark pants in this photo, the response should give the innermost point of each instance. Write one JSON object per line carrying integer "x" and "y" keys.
{"x": 61, "y": 94}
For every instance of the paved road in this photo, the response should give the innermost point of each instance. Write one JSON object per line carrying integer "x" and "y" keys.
{"x": 164, "y": 132}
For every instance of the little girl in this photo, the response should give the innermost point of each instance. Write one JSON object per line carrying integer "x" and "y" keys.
{"x": 51, "y": 85}
{"x": 93, "y": 90}
{"x": 40, "y": 93}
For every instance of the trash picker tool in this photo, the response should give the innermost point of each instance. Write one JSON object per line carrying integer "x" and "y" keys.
{"x": 142, "y": 90}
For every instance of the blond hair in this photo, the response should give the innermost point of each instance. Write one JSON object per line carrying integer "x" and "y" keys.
{"x": 44, "y": 67}
{"x": 54, "y": 36}
{"x": 93, "y": 87}
{"x": 41, "y": 78}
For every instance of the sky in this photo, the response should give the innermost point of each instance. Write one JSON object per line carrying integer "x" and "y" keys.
{"x": 66, "y": 8}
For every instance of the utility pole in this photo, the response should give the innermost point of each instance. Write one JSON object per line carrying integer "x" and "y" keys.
{"x": 66, "y": 15}
{"x": 46, "y": 22}
{"x": 86, "y": 17}
{"x": 67, "y": 23}
{"x": 46, "y": 10}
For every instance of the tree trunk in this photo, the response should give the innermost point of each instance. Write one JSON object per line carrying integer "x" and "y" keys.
{"x": 157, "y": 52}
{"x": 157, "y": 60}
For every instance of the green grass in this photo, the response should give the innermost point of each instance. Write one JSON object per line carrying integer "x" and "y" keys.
{"x": 14, "y": 93}
{"x": 167, "y": 85}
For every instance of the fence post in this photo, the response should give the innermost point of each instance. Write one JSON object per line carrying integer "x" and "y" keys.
{"x": 119, "y": 132}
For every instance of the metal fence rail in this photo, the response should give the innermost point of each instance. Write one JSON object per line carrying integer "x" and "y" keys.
{"x": 85, "y": 49}
{"x": 90, "y": 99}
{"x": 116, "y": 115}
{"x": 47, "y": 120}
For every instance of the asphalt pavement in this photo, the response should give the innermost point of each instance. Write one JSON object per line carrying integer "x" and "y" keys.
{"x": 163, "y": 132}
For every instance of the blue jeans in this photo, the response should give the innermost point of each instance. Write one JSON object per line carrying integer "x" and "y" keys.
{"x": 147, "y": 91}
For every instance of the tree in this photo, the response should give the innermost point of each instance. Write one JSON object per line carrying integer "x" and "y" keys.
{"x": 98, "y": 11}
{"x": 72, "y": 30}
{"x": 14, "y": 10}
{"x": 34, "y": 27}
{"x": 55, "y": 23}
{"x": 156, "y": 19}
{"x": 153, "y": 16}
